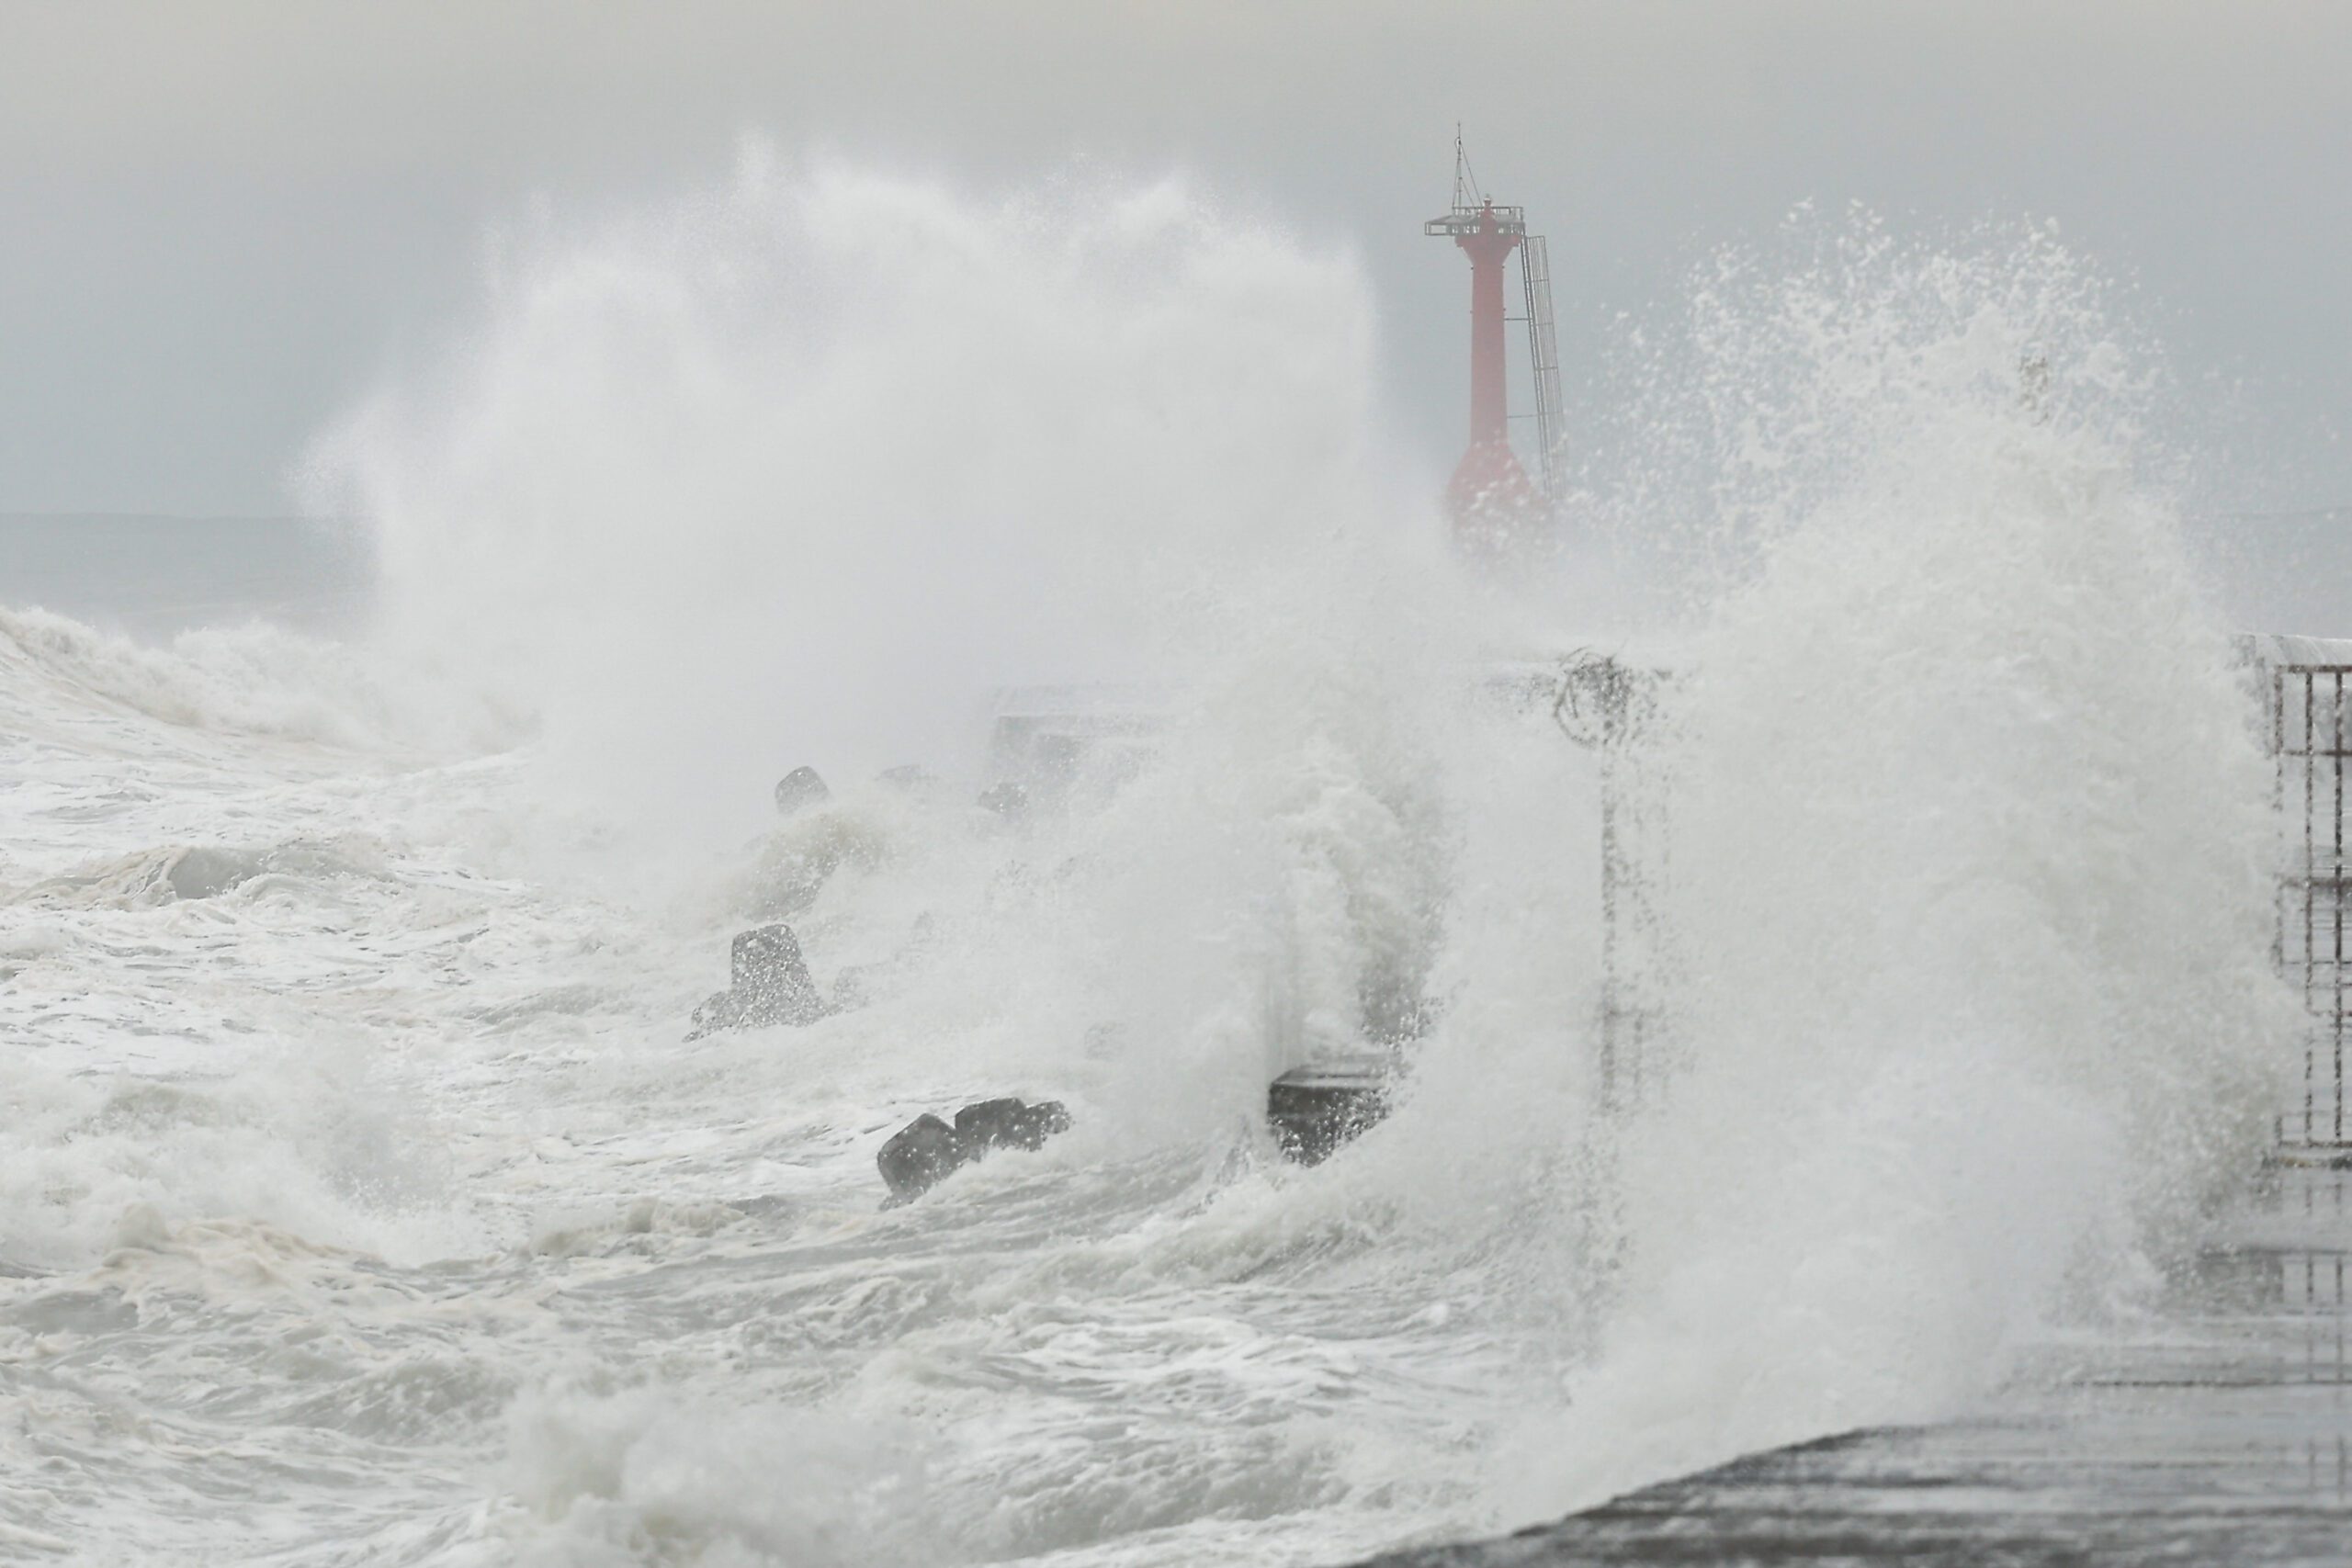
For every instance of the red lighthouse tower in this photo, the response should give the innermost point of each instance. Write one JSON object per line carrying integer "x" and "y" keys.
{"x": 1490, "y": 494}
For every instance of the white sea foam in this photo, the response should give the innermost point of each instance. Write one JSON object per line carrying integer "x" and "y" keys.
{"x": 380, "y": 1174}
{"x": 1969, "y": 892}
{"x": 254, "y": 678}
{"x": 790, "y": 471}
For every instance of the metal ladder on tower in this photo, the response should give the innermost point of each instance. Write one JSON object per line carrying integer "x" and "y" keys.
{"x": 1543, "y": 361}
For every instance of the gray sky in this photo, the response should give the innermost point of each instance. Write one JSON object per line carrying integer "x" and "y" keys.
{"x": 219, "y": 221}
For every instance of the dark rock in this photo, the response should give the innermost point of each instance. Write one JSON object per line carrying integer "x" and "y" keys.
{"x": 800, "y": 788}
{"x": 908, "y": 775}
{"x": 1010, "y": 1124}
{"x": 771, "y": 985}
{"x": 773, "y": 979}
{"x": 1007, "y": 799}
{"x": 758, "y": 955}
{"x": 989, "y": 1121}
{"x": 1314, "y": 1110}
{"x": 918, "y": 1156}
{"x": 927, "y": 1150}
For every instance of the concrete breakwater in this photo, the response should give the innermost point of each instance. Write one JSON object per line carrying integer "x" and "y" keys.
{"x": 2218, "y": 1431}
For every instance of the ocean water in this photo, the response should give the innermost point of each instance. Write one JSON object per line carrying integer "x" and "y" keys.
{"x": 155, "y": 577}
{"x": 362, "y": 1198}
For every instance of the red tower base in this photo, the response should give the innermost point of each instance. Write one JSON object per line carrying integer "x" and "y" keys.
{"x": 1489, "y": 496}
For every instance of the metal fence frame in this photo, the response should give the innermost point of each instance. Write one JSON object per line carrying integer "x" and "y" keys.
{"x": 2308, "y": 748}
{"x": 2306, "y": 683}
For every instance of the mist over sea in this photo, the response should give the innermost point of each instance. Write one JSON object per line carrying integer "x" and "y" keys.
{"x": 154, "y": 577}
{"x": 363, "y": 1197}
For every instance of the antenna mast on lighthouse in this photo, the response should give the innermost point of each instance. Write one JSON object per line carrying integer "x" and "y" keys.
{"x": 1489, "y": 492}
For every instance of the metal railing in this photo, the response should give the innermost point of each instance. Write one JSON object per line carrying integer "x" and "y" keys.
{"x": 2307, "y": 684}
{"x": 2308, "y": 734}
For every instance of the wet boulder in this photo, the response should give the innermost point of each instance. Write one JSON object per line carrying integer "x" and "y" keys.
{"x": 1011, "y": 1124}
{"x": 767, "y": 971}
{"x": 927, "y": 1150}
{"x": 801, "y": 788}
{"x": 769, "y": 984}
{"x": 918, "y": 1156}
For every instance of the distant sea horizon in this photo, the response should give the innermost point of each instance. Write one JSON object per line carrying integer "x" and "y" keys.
{"x": 152, "y": 575}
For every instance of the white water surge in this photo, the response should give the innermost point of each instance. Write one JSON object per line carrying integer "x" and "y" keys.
{"x": 371, "y": 1207}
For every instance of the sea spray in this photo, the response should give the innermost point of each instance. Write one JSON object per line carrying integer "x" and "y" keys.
{"x": 1968, "y": 893}
{"x": 1945, "y": 1045}
{"x": 1966, "y": 995}
{"x": 795, "y": 468}
{"x": 255, "y": 679}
